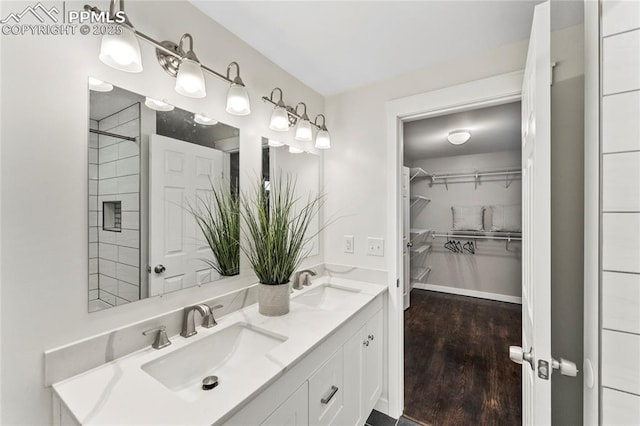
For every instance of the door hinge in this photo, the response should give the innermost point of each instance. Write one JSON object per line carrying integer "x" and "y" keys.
{"x": 397, "y": 282}
{"x": 553, "y": 66}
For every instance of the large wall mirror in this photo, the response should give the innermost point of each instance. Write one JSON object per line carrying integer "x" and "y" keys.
{"x": 279, "y": 161}
{"x": 151, "y": 167}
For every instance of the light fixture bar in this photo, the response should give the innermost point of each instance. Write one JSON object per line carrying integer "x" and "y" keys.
{"x": 290, "y": 111}
{"x": 159, "y": 46}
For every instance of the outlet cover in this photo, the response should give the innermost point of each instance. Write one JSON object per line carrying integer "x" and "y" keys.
{"x": 375, "y": 246}
{"x": 347, "y": 243}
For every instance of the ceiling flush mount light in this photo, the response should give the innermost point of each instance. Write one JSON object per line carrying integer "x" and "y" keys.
{"x": 99, "y": 85}
{"x": 190, "y": 79}
{"x": 204, "y": 120}
{"x": 303, "y": 128}
{"x": 323, "y": 140}
{"x": 294, "y": 150}
{"x": 279, "y": 117}
{"x": 122, "y": 52}
{"x": 158, "y": 105}
{"x": 275, "y": 144}
{"x": 458, "y": 137}
{"x": 237, "y": 97}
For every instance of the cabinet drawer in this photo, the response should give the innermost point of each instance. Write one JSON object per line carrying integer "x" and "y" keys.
{"x": 326, "y": 393}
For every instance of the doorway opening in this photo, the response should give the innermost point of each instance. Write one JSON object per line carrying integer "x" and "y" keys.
{"x": 461, "y": 214}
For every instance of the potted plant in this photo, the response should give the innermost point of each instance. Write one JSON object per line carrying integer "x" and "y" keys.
{"x": 275, "y": 238}
{"x": 218, "y": 217}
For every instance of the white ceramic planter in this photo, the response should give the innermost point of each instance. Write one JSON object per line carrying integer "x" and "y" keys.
{"x": 273, "y": 300}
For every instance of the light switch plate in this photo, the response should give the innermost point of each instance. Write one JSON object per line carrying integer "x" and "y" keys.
{"x": 375, "y": 246}
{"x": 348, "y": 243}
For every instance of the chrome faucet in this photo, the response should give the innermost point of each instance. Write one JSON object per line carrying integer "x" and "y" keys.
{"x": 188, "y": 322}
{"x": 302, "y": 278}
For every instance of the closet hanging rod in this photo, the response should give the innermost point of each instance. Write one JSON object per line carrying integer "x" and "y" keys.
{"x": 113, "y": 135}
{"x": 476, "y": 175}
{"x": 479, "y": 237}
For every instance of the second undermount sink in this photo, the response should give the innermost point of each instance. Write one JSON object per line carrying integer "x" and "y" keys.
{"x": 326, "y": 296}
{"x": 223, "y": 354}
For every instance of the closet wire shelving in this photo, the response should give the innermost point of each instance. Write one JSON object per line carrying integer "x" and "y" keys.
{"x": 476, "y": 176}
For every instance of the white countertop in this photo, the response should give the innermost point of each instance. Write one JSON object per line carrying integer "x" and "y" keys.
{"x": 121, "y": 393}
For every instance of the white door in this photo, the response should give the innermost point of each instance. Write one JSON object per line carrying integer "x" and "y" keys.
{"x": 179, "y": 172}
{"x": 406, "y": 263}
{"x": 536, "y": 208}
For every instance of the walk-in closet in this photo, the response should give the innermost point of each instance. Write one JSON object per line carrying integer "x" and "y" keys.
{"x": 462, "y": 223}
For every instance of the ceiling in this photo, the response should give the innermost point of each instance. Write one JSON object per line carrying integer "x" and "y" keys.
{"x": 334, "y": 46}
{"x": 493, "y": 129}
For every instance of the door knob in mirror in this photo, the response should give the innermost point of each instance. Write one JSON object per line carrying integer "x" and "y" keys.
{"x": 158, "y": 269}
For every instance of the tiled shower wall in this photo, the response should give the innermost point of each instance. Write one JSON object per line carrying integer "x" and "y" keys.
{"x": 118, "y": 164}
{"x": 93, "y": 213}
{"x": 620, "y": 202}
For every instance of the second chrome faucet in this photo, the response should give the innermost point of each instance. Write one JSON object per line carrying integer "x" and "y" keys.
{"x": 188, "y": 320}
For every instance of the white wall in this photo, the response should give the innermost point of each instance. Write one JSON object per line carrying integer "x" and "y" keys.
{"x": 44, "y": 163}
{"x": 492, "y": 269}
{"x": 356, "y": 177}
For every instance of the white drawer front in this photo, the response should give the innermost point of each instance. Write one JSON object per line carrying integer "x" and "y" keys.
{"x": 619, "y": 133}
{"x": 620, "y": 302}
{"x": 620, "y": 355}
{"x": 619, "y": 408}
{"x": 621, "y": 63}
{"x": 619, "y": 16}
{"x": 325, "y": 403}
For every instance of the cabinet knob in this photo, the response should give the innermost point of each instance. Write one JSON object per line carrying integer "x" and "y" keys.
{"x": 365, "y": 343}
{"x": 371, "y": 337}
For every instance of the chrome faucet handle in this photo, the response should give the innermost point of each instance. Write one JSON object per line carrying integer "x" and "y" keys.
{"x": 161, "y": 340}
{"x": 208, "y": 320}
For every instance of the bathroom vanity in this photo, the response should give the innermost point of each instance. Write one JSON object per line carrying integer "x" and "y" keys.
{"x": 320, "y": 364}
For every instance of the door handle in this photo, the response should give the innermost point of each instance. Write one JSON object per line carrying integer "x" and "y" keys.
{"x": 158, "y": 269}
{"x": 517, "y": 355}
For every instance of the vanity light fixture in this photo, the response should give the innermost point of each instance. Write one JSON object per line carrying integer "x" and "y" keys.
{"x": 204, "y": 120}
{"x": 99, "y": 85}
{"x": 279, "y": 117}
{"x": 158, "y": 105}
{"x": 294, "y": 150}
{"x": 275, "y": 144}
{"x": 237, "y": 97}
{"x": 284, "y": 116}
{"x": 323, "y": 140}
{"x": 303, "y": 128}
{"x": 458, "y": 137}
{"x": 122, "y": 52}
{"x": 190, "y": 80}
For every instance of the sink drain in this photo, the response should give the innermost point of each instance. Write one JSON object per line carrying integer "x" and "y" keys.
{"x": 209, "y": 382}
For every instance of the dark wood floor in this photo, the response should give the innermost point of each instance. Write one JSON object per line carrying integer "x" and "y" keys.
{"x": 457, "y": 369}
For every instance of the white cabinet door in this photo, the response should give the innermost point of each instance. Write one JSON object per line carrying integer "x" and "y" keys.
{"x": 326, "y": 392}
{"x": 353, "y": 353}
{"x": 294, "y": 411}
{"x": 373, "y": 345}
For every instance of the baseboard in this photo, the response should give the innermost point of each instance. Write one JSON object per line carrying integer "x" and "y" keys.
{"x": 466, "y": 292}
{"x": 382, "y": 405}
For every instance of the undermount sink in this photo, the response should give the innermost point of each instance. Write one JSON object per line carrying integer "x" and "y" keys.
{"x": 223, "y": 354}
{"x": 326, "y": 296}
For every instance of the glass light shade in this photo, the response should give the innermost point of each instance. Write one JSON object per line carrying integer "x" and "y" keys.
{"x": 238, "y": 100}
{"x": 204, "y": 120}
{"x": 279, "y": 120}
{"x": 275, "y": 144}
{"x": 303, "y": 131}
{"x": 190, "y": 80}
{"x": 323, "y": 141}
{"x": 121, "y": 51}
{"x": 458, "y": 137}
{"x": 294, "y": 150}
{"x": 158, "y": 105}
{"x": 99, "y": 85}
